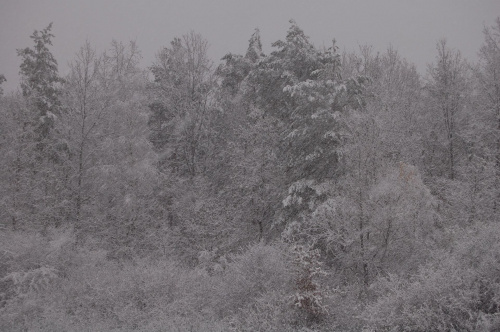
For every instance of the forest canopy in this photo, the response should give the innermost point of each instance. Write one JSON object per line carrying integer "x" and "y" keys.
{"x": 306, "y": 189}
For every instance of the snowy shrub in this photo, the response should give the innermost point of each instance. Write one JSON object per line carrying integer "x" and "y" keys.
{"x": 458, "y": 291}
{"x": 258, "y": 270}
{"x": 308, "y": 297}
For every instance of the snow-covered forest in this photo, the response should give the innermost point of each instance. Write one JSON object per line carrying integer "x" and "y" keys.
{"x": 307, "y": 189}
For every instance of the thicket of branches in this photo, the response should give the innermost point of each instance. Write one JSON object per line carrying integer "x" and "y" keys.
{"x": 301, "y": 190}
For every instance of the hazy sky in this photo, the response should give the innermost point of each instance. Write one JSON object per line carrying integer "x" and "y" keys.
{"x": 411, "y": 27}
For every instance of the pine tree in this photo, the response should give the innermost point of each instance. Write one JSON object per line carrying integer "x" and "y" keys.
{"x": 2, "y": 79}
{"x": 40, "y": 80}
{"x": 301, "y": 87}
{"x": 254, "y": 51}
{"x": 39, "y": 168}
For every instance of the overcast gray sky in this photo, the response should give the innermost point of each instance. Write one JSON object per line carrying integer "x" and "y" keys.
{"x": 412, "y": 27}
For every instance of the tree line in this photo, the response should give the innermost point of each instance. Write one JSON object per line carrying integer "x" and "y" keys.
{"x": 305, "y": 189}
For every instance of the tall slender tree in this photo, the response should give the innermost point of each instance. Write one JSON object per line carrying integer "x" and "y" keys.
{"x": 489, "y": 87}
{"x": 182, "y": 94}
{"x": 42, "y": 160}
{"x": 86, "y": 107}
{"x": 40, "y": 81}
{"x": 447, "y": 88}
{"x": 2, "y": 79}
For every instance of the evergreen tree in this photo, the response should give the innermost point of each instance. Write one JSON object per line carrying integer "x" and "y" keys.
{"x": 2, "y": 79}
{"x": 301, "y": 87}
{"x": 38, "y": 167}
{"x": 40, "y": 80}
{"x": 254, "y": 51}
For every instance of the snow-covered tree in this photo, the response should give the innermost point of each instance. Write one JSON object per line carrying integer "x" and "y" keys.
{"x": 85, "y": 111}
{"x": 447, "y": 87}
{"x": 488, "y": 124}
{"x": 113, "y": 167}
{"x": 2, "y": 79}
{"x": 182, "y": 104}
{"x": 300, "y": 86}
{"x": 40, "y": 81}
{"x": 36, "y": 154}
